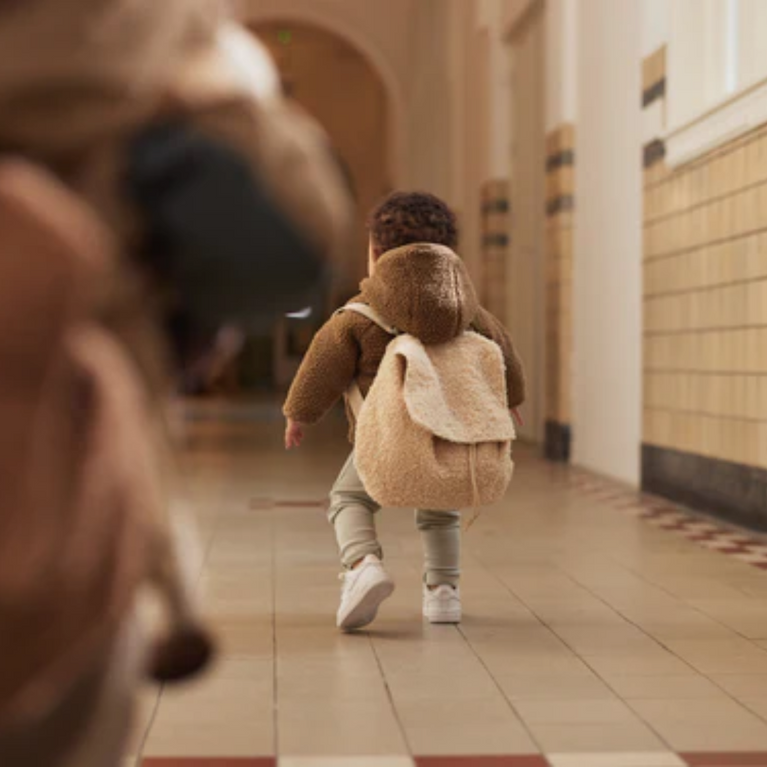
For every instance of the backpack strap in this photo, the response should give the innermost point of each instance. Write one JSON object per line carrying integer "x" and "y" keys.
{"x": 368, "y": 311}
{"x": 356, "y": 400}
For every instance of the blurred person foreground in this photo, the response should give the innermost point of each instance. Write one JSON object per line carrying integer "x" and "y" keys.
{"x": 135, "y": 223}
{"x": 604, "y": 163}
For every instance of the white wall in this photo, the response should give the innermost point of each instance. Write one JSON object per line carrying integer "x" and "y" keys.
{"x": 608, "y": 241}
{"x": 656, "y": 21}
{"x": 431, "y": 91}
{"x": 380, "y": 30}
{"x": 561, "y": 62}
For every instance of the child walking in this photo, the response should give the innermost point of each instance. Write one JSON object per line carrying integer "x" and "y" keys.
{"x": 421, "y": 287}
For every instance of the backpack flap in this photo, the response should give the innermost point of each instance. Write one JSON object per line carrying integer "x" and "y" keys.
{"x": 436, "y": 432}
{"x": 457, "y": 391}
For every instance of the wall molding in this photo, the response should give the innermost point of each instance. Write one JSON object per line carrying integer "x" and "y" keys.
{"x": 558, "y": 442}
{"x": 725, "y": 122}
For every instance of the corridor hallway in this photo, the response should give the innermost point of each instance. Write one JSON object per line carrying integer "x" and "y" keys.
{"x": 601, "y": 629}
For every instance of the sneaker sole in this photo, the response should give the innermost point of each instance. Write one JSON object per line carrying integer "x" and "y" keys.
{"x": 366, "y": 611}
{"x": 450, "y": 618}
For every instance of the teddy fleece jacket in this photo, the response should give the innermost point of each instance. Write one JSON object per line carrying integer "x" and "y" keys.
{"x": 422, "y": 289}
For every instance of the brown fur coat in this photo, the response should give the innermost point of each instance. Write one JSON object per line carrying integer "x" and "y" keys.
{"x": 423, "y": 290}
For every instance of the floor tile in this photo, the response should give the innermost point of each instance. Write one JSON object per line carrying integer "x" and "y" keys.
{"x": 620, "y": 640}
{"x": 600, "y": 637}
{"x": 651, "y": 664}
{"x": 584, "y": 711}
{"x": 743, "y": 686}
{"x": 597, "y": 738}
{"x": 582, "y": 686}
{"x": 757, "y": 705}
{"x": 148, "y": 701}
{"x": 732, "y": 656}
{"x": 660, "y": 687}
{"x": 651, "y": 759}
{"x": 339, "y": 728}
{"x": 229, "y": 714}
{"x": 711, "y": 725}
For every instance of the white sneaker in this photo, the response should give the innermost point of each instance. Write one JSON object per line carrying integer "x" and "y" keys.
{"x": 442, "y": 605}
{"x": 363, "y": 591}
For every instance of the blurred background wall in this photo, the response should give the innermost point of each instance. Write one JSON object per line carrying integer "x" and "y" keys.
{"x": 608, "y": 163}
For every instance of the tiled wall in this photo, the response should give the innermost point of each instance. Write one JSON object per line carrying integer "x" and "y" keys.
{"x": 705, "y": 326}
{"x": 560, "y": 188}
{"x": 495, "y": 245}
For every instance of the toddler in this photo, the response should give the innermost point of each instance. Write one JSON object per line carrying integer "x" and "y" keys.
{"x": 421, "y": 287}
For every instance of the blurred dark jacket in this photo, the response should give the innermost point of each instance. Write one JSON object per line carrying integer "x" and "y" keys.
{"x": 169, "y": 119}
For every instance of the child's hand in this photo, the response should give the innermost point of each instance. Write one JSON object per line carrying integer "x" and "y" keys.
{"x": 294, "y": 435}
{"x": 518, "y": 417}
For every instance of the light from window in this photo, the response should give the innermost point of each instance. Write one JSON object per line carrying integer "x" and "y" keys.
{"x": 732, "y": 46}
{"x": 304, "y": 314}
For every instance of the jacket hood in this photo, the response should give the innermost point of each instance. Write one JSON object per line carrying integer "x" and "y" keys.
{"x": 424, "y": 290}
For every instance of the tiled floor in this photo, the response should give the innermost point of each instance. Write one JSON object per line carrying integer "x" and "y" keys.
{"x": 593, "y": 637}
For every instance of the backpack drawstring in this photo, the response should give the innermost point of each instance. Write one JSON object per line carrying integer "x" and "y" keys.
{"x": 476, "y": 498}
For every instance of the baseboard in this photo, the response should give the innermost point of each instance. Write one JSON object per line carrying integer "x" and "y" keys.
{"x": 558, "y": 441}
{"x": 733, "y": 492}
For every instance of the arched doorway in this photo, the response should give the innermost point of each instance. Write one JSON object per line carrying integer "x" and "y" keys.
{"x": 336, "y": 83}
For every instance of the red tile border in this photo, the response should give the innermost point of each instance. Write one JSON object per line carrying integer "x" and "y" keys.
{"x": 481, "y": 761}
{"x": 212, "y": 761}
{"x": 744, "y": 759}
{"x": 708, "y": 533}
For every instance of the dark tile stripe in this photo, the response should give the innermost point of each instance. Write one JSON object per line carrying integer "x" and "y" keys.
{"x": 654, "y": 152}
{"x": 654, "y": 92}
{"x": 563, "y": 158}
{"x": 560, "y": 204}
{"x": 731, "y": 491}
{"x": 745, "y": 759}
{"x": 558, "y": 441}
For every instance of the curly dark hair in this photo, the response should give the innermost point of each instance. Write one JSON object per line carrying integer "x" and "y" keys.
{"x": 404, "y": 218}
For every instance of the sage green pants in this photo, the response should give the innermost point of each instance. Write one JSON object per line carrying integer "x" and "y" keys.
{"x": 352, "y": 513}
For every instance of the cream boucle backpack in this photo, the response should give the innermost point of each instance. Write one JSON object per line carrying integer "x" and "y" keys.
{"x": 435, "y": 431}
